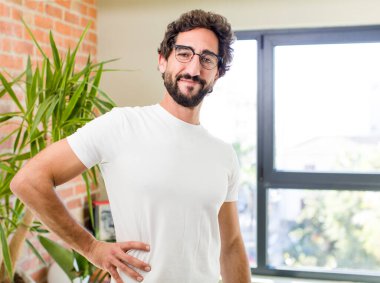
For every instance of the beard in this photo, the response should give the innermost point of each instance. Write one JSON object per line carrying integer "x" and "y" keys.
{"x": 191, "y": 100}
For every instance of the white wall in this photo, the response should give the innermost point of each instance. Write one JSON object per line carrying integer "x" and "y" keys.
{"x": 133, "y": 29}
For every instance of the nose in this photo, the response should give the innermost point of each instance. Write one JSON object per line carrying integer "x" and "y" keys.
{"x": 194, "y": 66}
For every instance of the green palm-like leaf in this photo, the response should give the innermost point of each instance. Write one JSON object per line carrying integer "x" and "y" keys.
{"x": 10, "y": 91}
{"x": 6, "y": 254}
{"x": 62, "y": 256}
{"x": 34, "y": 38}
{"x": 35, "y": 251}
{"x": 59, "y": 99}
{"x": 57, "y": 59}
{"x": 73, "y": 101}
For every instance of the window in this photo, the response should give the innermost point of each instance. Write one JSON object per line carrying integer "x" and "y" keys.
{"x": 306, "y": 127}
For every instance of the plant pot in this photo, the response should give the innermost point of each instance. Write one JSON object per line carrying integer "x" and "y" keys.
{"x": 22, "y": 277}
{"x": 57, "y": 275}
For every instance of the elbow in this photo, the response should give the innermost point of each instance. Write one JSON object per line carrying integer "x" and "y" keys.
{"x": 17, "y": 184}
{"x": 27, "y": 183}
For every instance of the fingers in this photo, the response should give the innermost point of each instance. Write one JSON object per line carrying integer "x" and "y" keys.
{"x": 134, "y": 246}
{"x": 115, "y": 275}
{"x": 134, "y": 262}
{"x": 127, "y": 270}
{"x": 113, "y": 258}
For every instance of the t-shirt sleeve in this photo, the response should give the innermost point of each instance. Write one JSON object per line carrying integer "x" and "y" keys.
{"x": 91, "y": 143}
{"x": 233, "y": 178}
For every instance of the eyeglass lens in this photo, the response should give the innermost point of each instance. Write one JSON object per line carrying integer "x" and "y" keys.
{"x": 185, "y": 54}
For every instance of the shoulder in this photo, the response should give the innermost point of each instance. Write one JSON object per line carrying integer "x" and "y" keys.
{"x": 223, "y": 149}
{"x": 135, "y": 116}
{"x": 219, "y": 143}
{"x": 133, "y": 111}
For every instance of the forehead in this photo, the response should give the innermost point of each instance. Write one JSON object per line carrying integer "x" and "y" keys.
{"x": 199, "y": 39}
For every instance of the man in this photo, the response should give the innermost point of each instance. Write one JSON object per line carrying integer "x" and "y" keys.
{"x": 172, "y": 186}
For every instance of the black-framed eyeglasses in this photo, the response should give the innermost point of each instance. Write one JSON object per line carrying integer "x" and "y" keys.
{"x": 209, "y": 60}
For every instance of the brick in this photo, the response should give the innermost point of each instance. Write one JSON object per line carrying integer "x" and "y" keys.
{"x": 10, "y": 61}
{"x": 65, "y": 193}
{"x": 53, "y": 11}
{"x": 92, "y": 12}
{"x": 89, "y": 49}
{"x": 75, "y": 203}
{"x": 93, "y": 25}
{"x": 92, "y": 37}
{"x": 4, "y": 10}
{"x": 72, "y": 18}
{"x": 17, "y": 2}
{"x": 80, "y": 7}
{"x": 64, "y": 3}
{"x": 34, "y": 5}
{"x": 63, "y": 28}
{"x": 41, "y": 35}
{"x": 43, "y": 22}
{"x": 77, "y": 179}
{"x": 90, "y": 2}
{"x": 28, "y": 17}
{"x": 79, "y": 190}
{"x": 70, "y": 43}
{"x": 59, "y": 41}
{"x": 5, "y": 45}
{"x": 82, "y": 60}
{"x": 77, "y": 33}
{"x": 10, "y": 29}
{"x": 47, "y": 50}
{"x": 84, "y": 22}
{"x": 16, "y": 14}
{"x": 94, "y": 51}
{"x": 23, "y": 47}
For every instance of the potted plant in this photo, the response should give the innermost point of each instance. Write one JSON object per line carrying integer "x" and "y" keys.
{"x": 59, "y": 98}
{"x": 76, "y": 267}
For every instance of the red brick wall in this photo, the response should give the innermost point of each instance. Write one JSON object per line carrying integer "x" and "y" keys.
{"x": 67, "y": 19}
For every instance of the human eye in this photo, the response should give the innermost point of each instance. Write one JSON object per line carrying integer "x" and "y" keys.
{"x": 184, "y": 53}
{"x": 209, "y": 60}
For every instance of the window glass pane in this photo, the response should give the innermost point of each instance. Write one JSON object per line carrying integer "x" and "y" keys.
{"x": 324, "y": 230}
{"x": 229, "y": 113}
{"x": 327, "y": 100}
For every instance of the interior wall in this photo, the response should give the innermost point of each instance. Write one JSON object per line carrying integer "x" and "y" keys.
{"x": 133, "y": 29}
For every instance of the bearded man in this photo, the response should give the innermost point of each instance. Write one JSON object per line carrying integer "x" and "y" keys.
{"x": 172, "y": 186}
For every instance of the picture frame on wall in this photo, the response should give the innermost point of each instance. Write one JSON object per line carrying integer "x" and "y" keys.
{"x": 104, "y": 226}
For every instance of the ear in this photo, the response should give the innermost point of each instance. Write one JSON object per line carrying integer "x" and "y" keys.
{"x": 216, "y": 76}
{"x": 162, "y": 62}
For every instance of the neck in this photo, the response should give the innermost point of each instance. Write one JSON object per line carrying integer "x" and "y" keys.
{"x": 186, "y": 114}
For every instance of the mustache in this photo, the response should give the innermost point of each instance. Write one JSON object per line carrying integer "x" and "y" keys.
{"x": 189, "y": 77}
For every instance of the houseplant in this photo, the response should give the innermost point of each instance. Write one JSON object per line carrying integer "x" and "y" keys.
{"x": 59, "y": 99}
{"x": 77, "y": 268}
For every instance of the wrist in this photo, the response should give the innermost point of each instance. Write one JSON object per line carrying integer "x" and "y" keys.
{"x": 88, "y": 245}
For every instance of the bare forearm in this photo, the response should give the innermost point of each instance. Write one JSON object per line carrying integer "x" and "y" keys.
{"x": 43, "y": 201}
{"x": 234, "y": 264}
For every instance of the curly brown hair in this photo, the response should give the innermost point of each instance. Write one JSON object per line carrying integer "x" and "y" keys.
{"x": 201, "y": 19}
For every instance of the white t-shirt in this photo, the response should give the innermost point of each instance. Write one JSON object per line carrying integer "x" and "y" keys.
{"x": 166, "y": 181}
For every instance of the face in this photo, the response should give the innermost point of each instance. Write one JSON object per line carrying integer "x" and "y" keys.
{"x": 188, "y": 83}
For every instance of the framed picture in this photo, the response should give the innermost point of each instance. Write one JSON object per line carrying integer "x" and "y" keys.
{"x": 104, "y": 227}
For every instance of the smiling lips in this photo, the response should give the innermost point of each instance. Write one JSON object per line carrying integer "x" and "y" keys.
{"x": 189, "y": 81}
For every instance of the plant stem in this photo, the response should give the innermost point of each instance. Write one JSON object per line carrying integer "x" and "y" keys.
{"x": 18, "y": 241}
